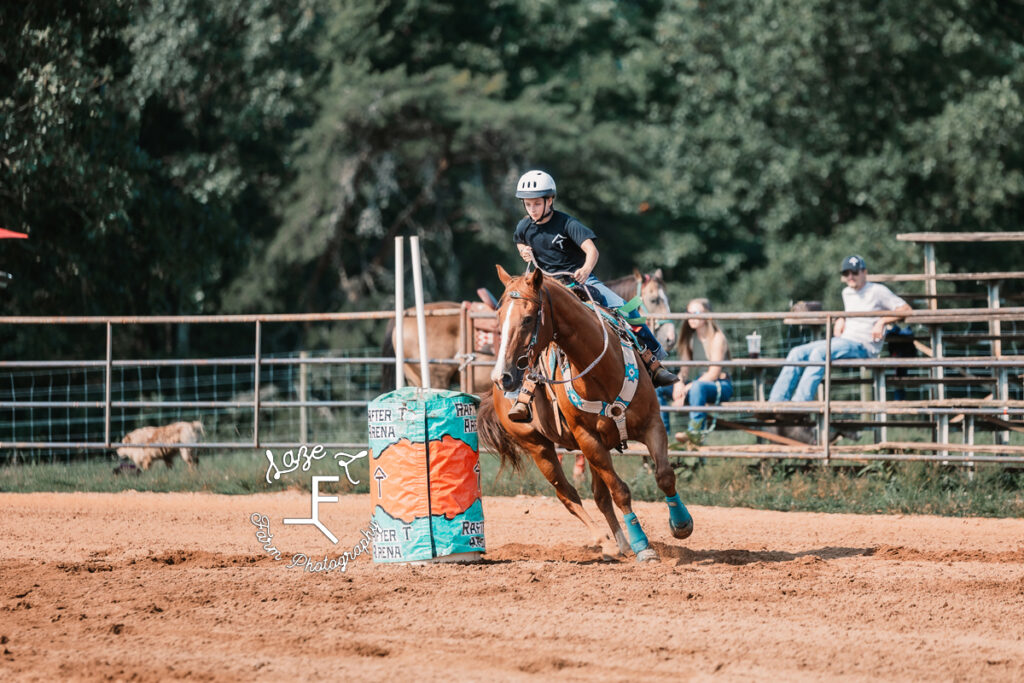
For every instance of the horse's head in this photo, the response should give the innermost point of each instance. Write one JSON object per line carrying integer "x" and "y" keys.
{"x": 525, "y": 328}
{"x": 655, "y": 298}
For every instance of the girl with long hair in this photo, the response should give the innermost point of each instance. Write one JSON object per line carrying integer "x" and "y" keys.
{"x": 713, "y": 386}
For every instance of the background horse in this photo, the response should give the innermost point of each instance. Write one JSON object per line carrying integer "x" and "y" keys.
{"x": 537, "y": 317}
{"x": 444, "y": 334}
{"x": 444, "y": 341}
{"x": 651, "y": 288}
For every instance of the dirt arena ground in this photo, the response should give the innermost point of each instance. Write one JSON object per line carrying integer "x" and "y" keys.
{"x": 140, "y": 586}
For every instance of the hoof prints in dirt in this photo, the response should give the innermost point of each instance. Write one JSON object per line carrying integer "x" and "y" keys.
{"x": 198, "y": 559}
{"x": 890, "y": 552}
{"x": 366, "y": 650}
{"x": 547, "y": 664}
{"x": 514, "y": 552}
{"x": 203, "y": 559}
{"x": 90, "y": 567}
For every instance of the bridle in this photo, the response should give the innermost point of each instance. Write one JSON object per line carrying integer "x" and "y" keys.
{"x": 528, "y": 358}
{"x": 530, "y": 364}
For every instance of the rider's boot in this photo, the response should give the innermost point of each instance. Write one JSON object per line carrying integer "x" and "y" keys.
{"x": 520, "y": 410}
{"x": 659, "y": 374}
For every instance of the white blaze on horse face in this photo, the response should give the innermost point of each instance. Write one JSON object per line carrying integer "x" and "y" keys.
{"x": 499, "y": 360}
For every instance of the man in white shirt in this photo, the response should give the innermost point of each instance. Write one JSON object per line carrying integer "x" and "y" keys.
{"x": 852, "y": 338}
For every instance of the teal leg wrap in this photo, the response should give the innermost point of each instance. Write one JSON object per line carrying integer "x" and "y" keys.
{"x": 637, "y": 538}
{"x": 679, "y": 517}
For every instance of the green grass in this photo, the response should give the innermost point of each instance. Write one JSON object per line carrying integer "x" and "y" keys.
{"x": 909, "y": 487}
{"x": 237, "y": 472}
{"x": 912, "y": 488}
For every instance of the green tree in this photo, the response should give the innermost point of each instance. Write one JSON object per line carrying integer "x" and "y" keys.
{"x": 428, "y": 117}
{"x": 792, "y": 133}
{"x": 143, "y": 146}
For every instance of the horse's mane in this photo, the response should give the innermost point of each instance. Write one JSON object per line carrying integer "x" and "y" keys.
{"x": 548, "y": 281}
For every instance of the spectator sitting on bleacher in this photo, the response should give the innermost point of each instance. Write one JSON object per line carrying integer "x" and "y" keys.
{"x": 852, "y": 338}
{"x": 713, "y": 386}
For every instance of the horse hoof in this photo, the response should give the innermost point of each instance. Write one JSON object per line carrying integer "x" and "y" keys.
{"x": 620, "y": 539}
{"x": 647, "y": 555}
{"x": 683, "y": 531}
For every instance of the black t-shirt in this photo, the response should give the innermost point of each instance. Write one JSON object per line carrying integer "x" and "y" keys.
{"x": 556, "y": 243}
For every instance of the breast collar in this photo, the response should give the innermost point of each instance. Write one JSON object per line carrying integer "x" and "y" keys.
{"x": 616, "y": 409}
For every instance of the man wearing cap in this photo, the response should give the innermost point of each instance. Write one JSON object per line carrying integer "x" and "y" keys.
{"x": 859, "y": 337}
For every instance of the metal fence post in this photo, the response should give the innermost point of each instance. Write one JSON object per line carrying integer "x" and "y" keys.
{"x": 823, "y": 439}
{"x": 108, "y": 381}
{"x": 303, "y": 391}
{"x": 256, "y": 391}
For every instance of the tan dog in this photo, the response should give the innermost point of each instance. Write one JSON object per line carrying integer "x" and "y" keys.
{"x": 176, "y": 432}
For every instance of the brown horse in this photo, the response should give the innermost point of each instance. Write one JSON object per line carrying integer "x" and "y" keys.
{"x": 444, "y": 334}
{"x": 650, "y": 287}
{"x": 444, "y": 342}
{"x": 597, "y": 396}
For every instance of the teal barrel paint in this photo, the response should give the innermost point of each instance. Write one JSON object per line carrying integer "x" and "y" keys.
{"x": 425, "y": 476}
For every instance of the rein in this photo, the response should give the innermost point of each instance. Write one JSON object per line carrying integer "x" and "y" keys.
{"x": 539, "y": 377}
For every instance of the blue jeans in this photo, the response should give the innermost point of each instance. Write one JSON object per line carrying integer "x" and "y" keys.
{"x": 707, "y": 393}
{"x": 665, "y": 399}
{"x": 613, "y": 300}
{"x": 805, "y": 380}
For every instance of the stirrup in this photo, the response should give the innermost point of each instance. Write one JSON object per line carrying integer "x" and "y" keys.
{"x": 659, "y": 374}
{"x": 664, "y": 378}
{"x": 520, "y": 410}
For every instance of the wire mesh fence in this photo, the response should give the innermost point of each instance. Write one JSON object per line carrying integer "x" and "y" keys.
{"x": 304, "y": 396}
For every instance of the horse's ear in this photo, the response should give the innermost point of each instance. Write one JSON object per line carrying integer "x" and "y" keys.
{"x": 535, "y": 278}
{"x": 637, "y": 275}
{"x": 658, "y": 275}
{"x": 503, "y": 275}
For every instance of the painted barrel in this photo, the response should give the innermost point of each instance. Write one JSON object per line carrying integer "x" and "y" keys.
{"x": 425, "y": 476}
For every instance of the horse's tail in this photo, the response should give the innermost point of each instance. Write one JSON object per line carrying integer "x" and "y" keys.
{"x": 494, "y": 437}
{"x": 387, "y": 349}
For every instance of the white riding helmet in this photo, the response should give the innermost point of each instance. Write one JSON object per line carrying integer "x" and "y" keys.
{"x": 535, "y": 184}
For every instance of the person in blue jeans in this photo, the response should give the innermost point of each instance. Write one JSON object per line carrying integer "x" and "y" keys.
{"x": 713, "y": 386}
{"x": 859, "y": 337}
{"x": 665, "y": 399}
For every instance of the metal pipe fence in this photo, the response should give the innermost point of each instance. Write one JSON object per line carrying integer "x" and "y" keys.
{"x": 252, "y": 374}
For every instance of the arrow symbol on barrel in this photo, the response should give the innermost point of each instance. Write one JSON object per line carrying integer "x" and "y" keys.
{"x": 380, "y": 475}
{"x": 476, "y": 468}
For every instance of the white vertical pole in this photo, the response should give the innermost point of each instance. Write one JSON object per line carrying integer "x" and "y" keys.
{"x": 303, "y": 393}
{"x": 421, "y": 323}
{"x": 930, "y": 285}
{"x": 399, "y": 313}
